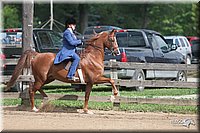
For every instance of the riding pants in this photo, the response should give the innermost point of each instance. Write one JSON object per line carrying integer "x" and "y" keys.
{"x": 75, "y": 61}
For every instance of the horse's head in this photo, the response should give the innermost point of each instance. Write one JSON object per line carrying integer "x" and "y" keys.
{"x": 111, "y": 43}
{"x": 107, "y": 39}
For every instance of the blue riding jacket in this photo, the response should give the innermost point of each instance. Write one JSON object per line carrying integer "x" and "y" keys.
{"x": 70, "y": 42}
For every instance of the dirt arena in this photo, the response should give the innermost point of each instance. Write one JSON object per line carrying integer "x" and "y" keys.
{"x": 72, "y": 120}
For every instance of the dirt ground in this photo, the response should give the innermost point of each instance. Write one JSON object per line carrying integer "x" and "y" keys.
{"x": 15, "y": 119}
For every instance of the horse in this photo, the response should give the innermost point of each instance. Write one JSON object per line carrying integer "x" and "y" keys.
{"x": 91, "y": 63}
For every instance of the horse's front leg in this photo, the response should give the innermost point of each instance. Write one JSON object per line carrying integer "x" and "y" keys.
{"x": 87, "y": 95}
{"x": 108, "y": 80}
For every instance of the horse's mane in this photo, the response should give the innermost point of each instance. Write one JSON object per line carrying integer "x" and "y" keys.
{"x": 89, "y": 42}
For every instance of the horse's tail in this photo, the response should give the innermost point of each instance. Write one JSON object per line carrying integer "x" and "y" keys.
{"x": 24, "y": 62}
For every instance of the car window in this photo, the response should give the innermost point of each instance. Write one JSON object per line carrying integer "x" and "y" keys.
{"x": 195, "y": 42}
{"x": 135, "y": 39}
{"x": 122, "y": 39}
{"x": 98, "y": 29}
{"x": 169, "y": 41}
{"x": 152, "y": 41}
{"x": 11, "y": 38}
{"x": 177, "y": 42}
{"x": 56, "y": 39}
{"x": 186, "y": 42}
{"x": 90, "y": 31}
{"x": 44, "y": 39}
{"x": 182, "y": 42}
{"x": 161, "y": 43}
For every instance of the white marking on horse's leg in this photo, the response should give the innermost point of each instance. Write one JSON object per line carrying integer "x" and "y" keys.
{"x": 35, "y": 109}
{"x": 112, "y": 98}
{"x": 81, "y": 75}
{"x": 88, "y": 112}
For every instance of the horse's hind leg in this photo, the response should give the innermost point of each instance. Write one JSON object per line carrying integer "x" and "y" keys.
{"x": 45, "y": 97}
{"x": 32, "y": 90}
{"x": 32, "y": 94}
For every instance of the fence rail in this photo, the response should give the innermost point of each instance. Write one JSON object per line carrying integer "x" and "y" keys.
{"x": 132, "y": 65}
{"x": 150, "y": 66}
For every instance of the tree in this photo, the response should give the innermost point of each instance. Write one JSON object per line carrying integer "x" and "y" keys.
{"x": 83, "y": 16}
{"x": 10, "y": 17}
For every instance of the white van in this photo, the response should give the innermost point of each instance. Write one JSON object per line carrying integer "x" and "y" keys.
{"x": 183, "y": 46}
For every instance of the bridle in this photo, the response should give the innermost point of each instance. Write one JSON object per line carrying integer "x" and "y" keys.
{"x": 112, "y": 49}
{"x": 110, "y": 41}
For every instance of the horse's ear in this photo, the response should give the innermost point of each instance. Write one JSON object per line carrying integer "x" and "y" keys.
{"x": 112, "y": 32}
{"x": 94, "y": 32}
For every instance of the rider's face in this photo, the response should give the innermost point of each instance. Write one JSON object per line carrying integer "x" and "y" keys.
{"x": 73, "y": 26}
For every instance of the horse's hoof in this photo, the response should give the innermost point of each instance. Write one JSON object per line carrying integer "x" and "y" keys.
{"x": 35, "y": 109}
{"x": 116, "y": 93}
{"x": 86, "y": 112}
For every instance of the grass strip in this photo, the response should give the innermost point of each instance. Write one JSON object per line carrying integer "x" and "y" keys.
{"x": 109, "y": 106}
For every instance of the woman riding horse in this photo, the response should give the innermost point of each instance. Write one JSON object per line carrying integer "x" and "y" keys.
{"x": 92, "y": 64}
{"x": 70, "y": 42}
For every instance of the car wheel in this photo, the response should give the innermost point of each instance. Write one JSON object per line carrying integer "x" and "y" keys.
{"x": 188, "y": 60}
{"x": 139, "y": 75}
{"x": 181, "y": 76}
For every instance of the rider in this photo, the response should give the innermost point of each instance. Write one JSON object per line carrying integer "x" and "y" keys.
{"x": 70, "y": 42}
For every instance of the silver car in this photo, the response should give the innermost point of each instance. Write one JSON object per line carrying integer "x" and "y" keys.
{"x": 183, "y": 46}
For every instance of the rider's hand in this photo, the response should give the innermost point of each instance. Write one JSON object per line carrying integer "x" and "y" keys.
{"x": 80, "y": 44}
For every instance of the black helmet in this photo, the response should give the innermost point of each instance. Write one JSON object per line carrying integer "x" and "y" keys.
{"x": 70, "y": 21}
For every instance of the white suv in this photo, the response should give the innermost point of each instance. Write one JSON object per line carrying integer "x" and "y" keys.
{"x": 183, "y": 46}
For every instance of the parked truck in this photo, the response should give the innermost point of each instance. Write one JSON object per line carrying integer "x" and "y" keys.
{"x": 45, "y": 40}
{"x": 146, "y": 46}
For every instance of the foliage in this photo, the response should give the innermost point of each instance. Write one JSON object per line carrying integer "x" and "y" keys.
{"x": 167, "y": 18}
{"x": 10, "y": 17}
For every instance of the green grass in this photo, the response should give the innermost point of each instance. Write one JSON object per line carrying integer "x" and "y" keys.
{"x": 8, "y": 102}
{"x": 109, "y": 106}
{"x": 107, "y": 91}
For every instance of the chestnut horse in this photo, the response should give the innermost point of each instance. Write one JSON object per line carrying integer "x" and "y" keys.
{"x": 92, "y": 65}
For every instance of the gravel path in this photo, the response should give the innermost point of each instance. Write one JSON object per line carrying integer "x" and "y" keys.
{"x": 13, "y": 119}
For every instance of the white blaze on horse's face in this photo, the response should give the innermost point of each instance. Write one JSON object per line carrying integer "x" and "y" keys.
{"x": 118, "y": 51}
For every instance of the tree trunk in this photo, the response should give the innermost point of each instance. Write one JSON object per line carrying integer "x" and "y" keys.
{"x": 27, "y": 25}
{"x": 83, "y": 16}
{"x": 145, "y": 16}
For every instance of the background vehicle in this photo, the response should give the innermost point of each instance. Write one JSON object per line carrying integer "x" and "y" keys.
{"x": 2, "y": 58}
{"x": 183, "y": 46}
{"x": 195, "y": 45}
{"x": 147, "y": 46}
{"x": 45, "y": 40}
{"x": 89, "y": 31}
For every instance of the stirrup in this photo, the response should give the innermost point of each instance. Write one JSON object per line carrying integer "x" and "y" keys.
{"x": 74, "y": 78}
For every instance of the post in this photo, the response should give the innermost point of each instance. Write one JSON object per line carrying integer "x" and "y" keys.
{"x": 27, "y": 42}
{"x": 113, "y": 75}
{"x": 51, "y": 24}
